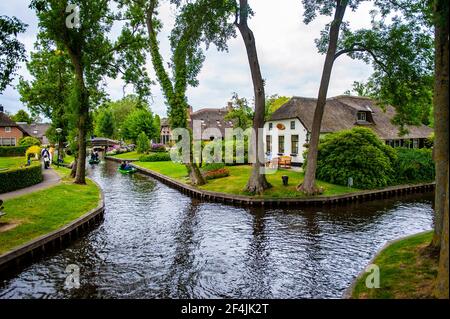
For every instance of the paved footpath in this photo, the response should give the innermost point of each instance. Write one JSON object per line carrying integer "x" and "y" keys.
{"x": 50, "y": 178}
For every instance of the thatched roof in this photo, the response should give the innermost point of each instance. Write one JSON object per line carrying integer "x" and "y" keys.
{"x": 341, "y": 113}
{"x": 211, "y": 118}
{"x": 5, "y": 121}
{"x": 37, "y": 130}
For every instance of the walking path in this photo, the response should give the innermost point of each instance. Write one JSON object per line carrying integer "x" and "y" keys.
{"x": 50, "y": 178}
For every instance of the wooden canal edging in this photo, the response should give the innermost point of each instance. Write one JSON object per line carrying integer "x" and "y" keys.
{"x": 241, "y": 200}
{"x": 56, "y": 240}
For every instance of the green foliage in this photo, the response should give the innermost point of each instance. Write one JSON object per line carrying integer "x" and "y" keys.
{"x": 9, "y": 151}
{"x": 402, "y": 55}
{"x": 28, "y": 141}
{"x": 20, "y": 177}
{"x": 357, "y": 153}
{"x": 140, "y": 120}
{"x": 143, "y": 143}
{"x": 155, "y": 157}
{"x": 157, "y": 125}
{"x": 273, "y": 103}
{"x": 22, "y": 116}
{"x": 414, "y": 165}
{"x": 241, "y": 114}
{"x": 104, "y": 124}
{"x": 12, "y": 52}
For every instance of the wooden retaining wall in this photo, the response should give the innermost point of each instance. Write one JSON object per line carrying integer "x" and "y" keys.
{"x": 42, "y": 246}
{"x": 240, "y": 200}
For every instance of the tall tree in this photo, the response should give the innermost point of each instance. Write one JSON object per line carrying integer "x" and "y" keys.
{"x": 92, "y": 54}
{"x": 196, "y": 23}
{"x": 12, "y": 51}
{"x": 311, "y": 8}
{"x": 47, "y": 93}
{"x": 257, "y": 182}
{"x": 22, "y": 116}
{"x": 441, "y": 148}
{"x": 104, "y": 124}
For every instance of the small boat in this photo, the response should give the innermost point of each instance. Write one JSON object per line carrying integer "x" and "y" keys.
{"x": 128, "y": 171}
{"x": 92, "y": 161}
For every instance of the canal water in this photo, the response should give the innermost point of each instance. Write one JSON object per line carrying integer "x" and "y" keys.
{"x": 158, "y": 243}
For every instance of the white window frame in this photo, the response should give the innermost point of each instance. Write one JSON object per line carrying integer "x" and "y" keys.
{"x": 363, "y": 116}
{"x": 292, "y": 125}
{"x": 8, "y": 129}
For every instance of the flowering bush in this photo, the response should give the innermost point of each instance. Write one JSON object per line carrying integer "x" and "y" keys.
{"x": 158, "y": 148}
{"x": 34, "y": 151}
{"x": 218, "y": 173}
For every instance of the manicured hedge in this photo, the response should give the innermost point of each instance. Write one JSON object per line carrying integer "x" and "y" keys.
{"x": 18, "y": 178}
{"x": 7, "y": 151}
{"x": 155, "y": 157}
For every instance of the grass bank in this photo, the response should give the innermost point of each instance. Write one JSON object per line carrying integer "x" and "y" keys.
{"x": 407, "y": 271}
{"x": 235, "y": 183}
{"x": 44, "y": 211}
{"x": 12, "y": 162}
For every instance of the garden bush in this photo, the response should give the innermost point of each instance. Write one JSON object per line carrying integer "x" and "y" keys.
{"x": 28, "y": 141}
{"x": 158, "y": 148}
{"x": 9, "y": 151}
{"x": 357, "y": 153}
{"x": 142, "y": 143}
{"x": 155, "y": 157}
{"x": 212, "y": 167}
{"x": 414, "y": 165}
{"x": 218, "y": 173}
{"x": 22, "y": 177}
{"x": 33, "y": 151}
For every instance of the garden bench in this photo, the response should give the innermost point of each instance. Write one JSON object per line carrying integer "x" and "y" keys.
{"x": 285, "y": 161}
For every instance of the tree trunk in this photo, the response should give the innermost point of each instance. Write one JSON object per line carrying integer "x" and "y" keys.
{"x": 441, "y": 289}
{"x": 257, "y": 182}
{"x": 441, "y": 117}
{"x": 308, "y": 186}
{"x": 73, "y": 171}
{"x": 195, "y": 176}
{"x": 82, "y": 112}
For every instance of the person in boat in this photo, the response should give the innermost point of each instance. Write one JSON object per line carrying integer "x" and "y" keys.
{"x": 123, "y": 165}
{"x": 128, "y": 166}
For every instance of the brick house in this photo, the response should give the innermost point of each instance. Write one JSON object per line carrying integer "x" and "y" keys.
{"x": 10, "y": 131}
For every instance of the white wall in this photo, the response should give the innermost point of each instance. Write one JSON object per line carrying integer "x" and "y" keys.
{"x": 287, "y": 132}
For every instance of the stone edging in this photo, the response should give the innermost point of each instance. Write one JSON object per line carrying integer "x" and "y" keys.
{"x": 54, "y": 240}
{"x": 240, "y": 200}
{"x": 348, "y": 292}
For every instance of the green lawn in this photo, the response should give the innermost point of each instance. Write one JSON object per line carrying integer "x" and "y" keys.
{"x": 44, "y": 211}
{"x": 406, "y": 271}
{"x": 128, "y": 156}
{"x": 11, "y": 162}
{"x": 235, "y": 183}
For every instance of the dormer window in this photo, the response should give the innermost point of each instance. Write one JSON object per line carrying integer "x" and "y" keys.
{"x": 362, "y": 116}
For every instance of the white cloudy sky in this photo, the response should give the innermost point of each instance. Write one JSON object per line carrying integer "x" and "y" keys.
{"x": 288, "y": 57}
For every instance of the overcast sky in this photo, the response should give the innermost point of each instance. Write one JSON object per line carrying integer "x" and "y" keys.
{"x": 288, "y": 57}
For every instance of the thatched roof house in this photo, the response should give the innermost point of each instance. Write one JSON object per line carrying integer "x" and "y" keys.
{"x": 212, "y": 119}
{"x": 289, "y": 127}
{"x": 341, "y": 112}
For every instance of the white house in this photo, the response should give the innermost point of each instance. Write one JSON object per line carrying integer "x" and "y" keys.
{"x": 288, "y": 129}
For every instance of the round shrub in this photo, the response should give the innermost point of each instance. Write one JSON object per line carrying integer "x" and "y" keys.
{"x": 33, "y": 151}
{"x": 414, "y": 165}
{"x": 357, "y": 153}
{"x": 158, "y": 148}
{"x": 18, "y": 178}
{"x": 29, "y": 141}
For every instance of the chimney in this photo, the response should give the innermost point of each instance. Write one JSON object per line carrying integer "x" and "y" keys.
{"x": 229, "y": 106}
{"x": 1, "y": 108}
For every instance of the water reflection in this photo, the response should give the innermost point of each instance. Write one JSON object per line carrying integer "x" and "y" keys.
{"x": 158, "y": 243}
